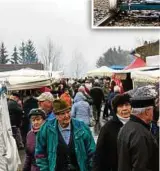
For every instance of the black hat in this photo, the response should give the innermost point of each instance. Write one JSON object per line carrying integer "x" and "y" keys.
{"x": 119, "y": 100}
{"x": 141, "y": 102}
{"x": 37, "y": 111}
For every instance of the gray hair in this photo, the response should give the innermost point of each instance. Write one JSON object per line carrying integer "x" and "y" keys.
{"x": 137, "y": 111}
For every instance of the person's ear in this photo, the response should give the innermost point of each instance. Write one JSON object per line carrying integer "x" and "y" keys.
{"x": 147, "y": 112}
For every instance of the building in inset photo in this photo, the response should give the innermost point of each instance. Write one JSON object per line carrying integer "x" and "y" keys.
{"x": 125, "y": 13}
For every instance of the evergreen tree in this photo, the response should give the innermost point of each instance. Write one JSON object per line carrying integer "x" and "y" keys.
{"x": 31, "y": 56}
{"x": 100, "y": 62}
{"x": 114, "y": 56}
{"x": 3, "y": 54}
{"x": 22, "y": 53}
{"x": 15, "y": 57}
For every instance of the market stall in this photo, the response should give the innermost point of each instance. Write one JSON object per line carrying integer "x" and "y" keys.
{"x": 145, "y": 77}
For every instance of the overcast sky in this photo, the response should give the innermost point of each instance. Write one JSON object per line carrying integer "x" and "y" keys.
{"x": 67, "y": 23}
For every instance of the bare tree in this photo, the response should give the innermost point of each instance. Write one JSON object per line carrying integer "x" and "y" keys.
{"x": 50, "y": 56}
{"x": 77, "y": 65}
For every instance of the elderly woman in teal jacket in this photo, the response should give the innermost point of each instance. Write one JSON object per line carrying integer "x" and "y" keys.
{"x": 64, "y": 144}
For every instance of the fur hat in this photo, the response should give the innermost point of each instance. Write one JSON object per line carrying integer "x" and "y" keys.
{"x": 144, "y": 91}
{"x": 120, "y": 99}
{"x": 60, "y": 106}
{"x": 36, "y": 112}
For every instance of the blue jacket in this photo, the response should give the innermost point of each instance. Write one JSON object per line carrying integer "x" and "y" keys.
{"x": 81, "y": 109}
{"x": 47, "y": 142}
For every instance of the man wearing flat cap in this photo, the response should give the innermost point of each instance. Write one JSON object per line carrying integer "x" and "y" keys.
{"x": 45, "y": 102}
{"x": 64, "y": 144}
{"x": 105, "y": 158}
{"x": 137, "y": 148}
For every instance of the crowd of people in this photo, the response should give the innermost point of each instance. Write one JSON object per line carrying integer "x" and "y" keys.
{"x": 54, "y": 127}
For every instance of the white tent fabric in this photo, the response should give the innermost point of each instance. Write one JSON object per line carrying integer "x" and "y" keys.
{"x": 9, "y": 157}
{"x": 29, "y": 78}
{"x": 153, "y": 60}
{"x": 147, "y": 68}
{"x": 22, "y": 83}
{"x": 148, "y": 76}
{"x": 102, "y": 71}
{"x": 28, "y": 72}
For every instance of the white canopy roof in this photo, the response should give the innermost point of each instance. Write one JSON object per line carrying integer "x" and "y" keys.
{"x": 136, "y": 69}
{"x": 102, "y": 71}
{"x": 28, "y": 72}
{"x": 28, "y": 78}
{"x": 148, "y": 76}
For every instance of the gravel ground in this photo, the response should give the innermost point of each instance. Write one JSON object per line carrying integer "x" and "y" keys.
{"x": 131, "y": 19}
{"x": 101, "y": 9}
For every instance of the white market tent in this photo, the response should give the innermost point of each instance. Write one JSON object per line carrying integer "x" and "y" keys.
{"x": 102, "y": 71}
{"x": 121, "y": 74}
{"x": 146, "y": 76}
{"x": 28, "y": 78}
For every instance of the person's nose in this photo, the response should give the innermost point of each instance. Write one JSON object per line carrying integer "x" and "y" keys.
{"x": 35, "y": 122}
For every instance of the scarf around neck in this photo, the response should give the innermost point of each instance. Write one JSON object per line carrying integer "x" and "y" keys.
{"x": 123, "y": 120}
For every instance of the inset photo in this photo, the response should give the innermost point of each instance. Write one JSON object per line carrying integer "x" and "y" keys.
{"x": 125, "y": 14}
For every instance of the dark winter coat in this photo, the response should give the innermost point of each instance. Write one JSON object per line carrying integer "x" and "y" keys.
{"x": 15, "y": 113}
{"x": 106, "y": 150}
{"x": 111, "y": 95}
{"x": 97, "y": 95}
{"x": 30, "y": 163}
{"x": 137, "y": 148}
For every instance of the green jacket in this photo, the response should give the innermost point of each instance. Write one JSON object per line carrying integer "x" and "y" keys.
{"x": 47, "y": 141}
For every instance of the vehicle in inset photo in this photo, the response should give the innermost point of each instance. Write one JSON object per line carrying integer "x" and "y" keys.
{"x": 125, "y": 13}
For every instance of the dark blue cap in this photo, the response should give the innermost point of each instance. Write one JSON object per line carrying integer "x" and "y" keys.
{"x": 141, "y": 102}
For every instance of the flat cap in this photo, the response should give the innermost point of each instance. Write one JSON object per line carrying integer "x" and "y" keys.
{"x": 45, "y": 96}
{"x": 141, "y": 102}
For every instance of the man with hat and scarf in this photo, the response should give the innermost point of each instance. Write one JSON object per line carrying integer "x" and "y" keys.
{"x": 64, "y": 144}
{"x": 137, "y": 148}
{"x": 106, "y": 150}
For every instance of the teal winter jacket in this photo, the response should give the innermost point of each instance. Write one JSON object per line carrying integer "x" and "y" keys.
{"x": 47, "y": 142}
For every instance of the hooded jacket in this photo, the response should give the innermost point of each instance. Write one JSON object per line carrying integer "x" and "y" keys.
{"x": 81, "y": 109}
